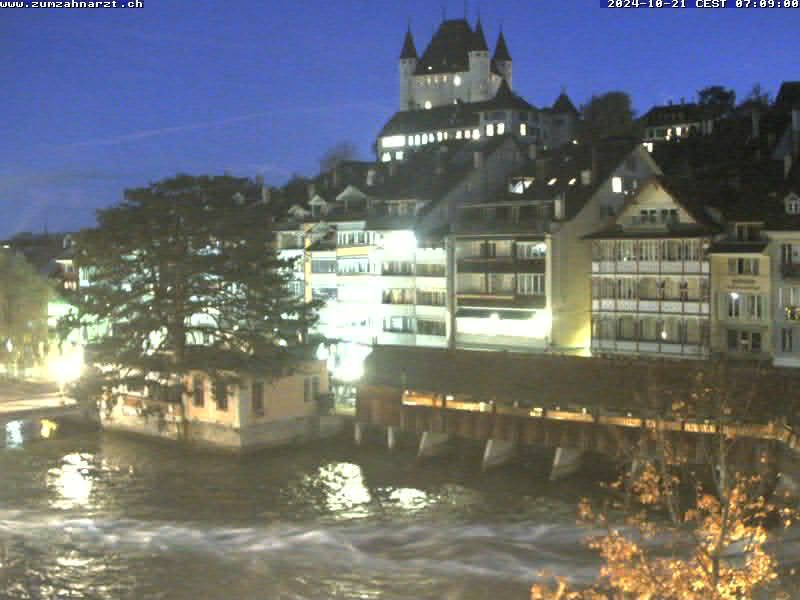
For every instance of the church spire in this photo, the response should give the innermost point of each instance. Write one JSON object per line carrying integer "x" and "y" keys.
{"x": 501, "y": 50}
{"x": 409, "y": 50}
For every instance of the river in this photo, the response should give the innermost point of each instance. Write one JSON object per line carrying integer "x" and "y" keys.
{"x": 89, "y": 515}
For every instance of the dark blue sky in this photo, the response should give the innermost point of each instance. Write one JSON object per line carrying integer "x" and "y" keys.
{"x": 94, "y": 101}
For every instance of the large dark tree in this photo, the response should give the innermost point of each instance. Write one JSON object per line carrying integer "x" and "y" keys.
{"x": 718, "y": 98}
{"x": 607, "y": 115}
{"x": 24, "y": 296}
{"x": 183, "y": 276}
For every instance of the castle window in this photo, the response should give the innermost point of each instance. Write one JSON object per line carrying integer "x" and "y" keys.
{"x": 476, "y": 134}
{"x": 428, "y": 105}
{"x": 468, "y": 134}
{"x": 523, "y": 129}
{"x": 616, "y": 185}
{"x": 457, "y": 80}
{"x": 439, "y": 136}
{"x": 386, "y": 157}
{"x": 501, "y": 128}
{"x": 458, "y": 134}
{"x": 490, "y": 129}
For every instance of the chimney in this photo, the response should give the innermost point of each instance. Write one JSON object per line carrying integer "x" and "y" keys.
{"x": 312, "y": 191}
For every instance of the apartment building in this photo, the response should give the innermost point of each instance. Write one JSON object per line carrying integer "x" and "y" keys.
{"x": 651, "y": 277}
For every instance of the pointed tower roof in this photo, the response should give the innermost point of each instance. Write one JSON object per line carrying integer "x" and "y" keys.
{"x": 501, "y": 50}
{"x": 564, "y": 105}
{"x": 478, "y": 39}
{"x": 409, "y": 49}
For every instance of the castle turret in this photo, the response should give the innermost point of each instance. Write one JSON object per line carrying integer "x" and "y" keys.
{"x": 479, "y": 66}
{"x": 408, "y": 66}
{"x": 502, "y": 59}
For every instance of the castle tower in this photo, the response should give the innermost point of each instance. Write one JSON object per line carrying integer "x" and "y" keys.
{"x": 502, "y": 59}
{"x": 408, "y": 66}
{"x": 479, "y": 66}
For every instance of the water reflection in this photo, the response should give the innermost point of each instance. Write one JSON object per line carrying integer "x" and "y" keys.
{"x": 72, "y": 481}
{"x": 345, "y": 491}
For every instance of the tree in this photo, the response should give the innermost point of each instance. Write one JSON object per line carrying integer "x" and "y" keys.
{"x": 183, "y": 276}
{"x": 719, "y": 550}
{"x": 758, "y": 96}
{"x": 24, "y": 296}
{"x": 337, "y": 154}
{"x": 607, "y": 115}
{"x": 717, "y": 97}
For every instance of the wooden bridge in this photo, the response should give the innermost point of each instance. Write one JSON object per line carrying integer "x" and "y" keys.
{"x": 622, "y": 408}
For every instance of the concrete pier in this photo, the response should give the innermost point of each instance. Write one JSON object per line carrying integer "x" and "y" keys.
{"x": 498, "y": 453}
{"x": 391, "y": 437}
{"x": 432, "y": 444}
{"x": 358, "y": 433}
{"x": 565, "y": 463}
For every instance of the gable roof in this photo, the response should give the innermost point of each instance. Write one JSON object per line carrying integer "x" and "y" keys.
{"x": 789, "y": 95}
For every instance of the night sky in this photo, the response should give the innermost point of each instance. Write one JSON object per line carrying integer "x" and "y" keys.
{"x": 94, "y": 101}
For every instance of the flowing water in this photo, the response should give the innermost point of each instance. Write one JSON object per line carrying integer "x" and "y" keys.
{"x": 92, "y": 515}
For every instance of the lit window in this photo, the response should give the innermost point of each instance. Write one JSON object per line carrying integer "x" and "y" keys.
{"x": 501, "y": 128}
{"x": 457, "y": 80}
{"x": 428, "y": 105}
{"x": 417, "y": 140}
{"x": 793, "y": 205}
{"x": 399, "y": 155}
{"x": 490, "y": 130}
{"x": 458, "y": 134}
{"x": 616, "y": 185}
{"x": 468, "y": 134}
{"x": 678, "y": 131}
{"x": 411, "y": 140}
{"x": 439, "y": 136}
{"x": 386, "y": 157}
{"x": 446, "y": 135}
{"x": 476, "y": 133}
{"x": 649, "y": 146}
{"x": 552, "y": 181}
{"x": 523, "y": 129}
{"x": 394, "y": 141}
{"x": 573, "y": 181}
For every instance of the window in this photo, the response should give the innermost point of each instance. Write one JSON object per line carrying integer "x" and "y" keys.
{"x": 648, "y": 250}
{"x": 616, "y": 185}
{"x": 323, "y": 266}
{"x": 311, "y": 388}
{"x": 221, "y": 395}
{"x": 747, "y": 232}
{"x": 787, "y": 344}
{"x": 426, "y": 327}
{"x": 431, "y": 298}
{"x": 198, "y": 391}
{"x": 743, "y": 266}
{"x": 744, "y": 341}
{"x": 745, "y": 306}
{"x": 398, "y": 324}
{"x": 490, "y": 129}
{"x": 793, "y": 205}
{"x": 530, "y": 284}
{"x": 398, "y": 296}
{"x": 353, "y": 266}
{"x": 324, "y": 294}
{"x": 257, "y": 397}
{"x": 531, "y": 250}
{"x": 501, "y": 128}
{"x": 523, "y": 129}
